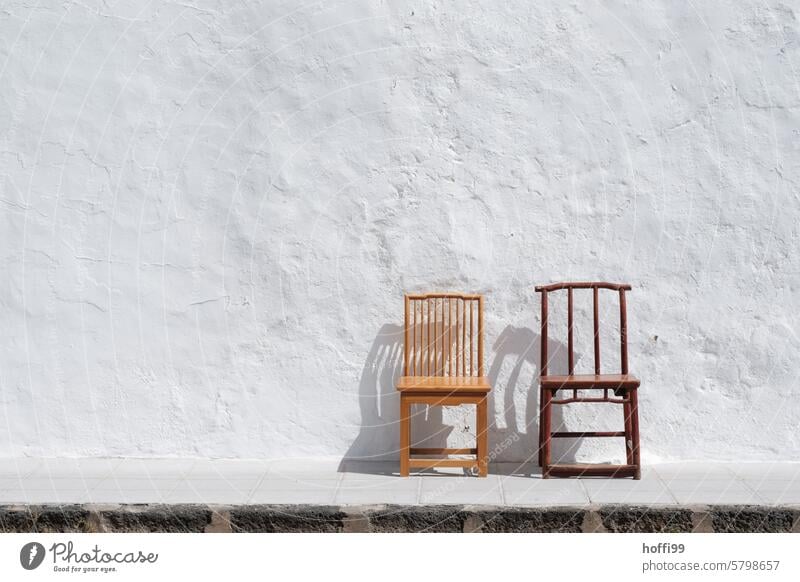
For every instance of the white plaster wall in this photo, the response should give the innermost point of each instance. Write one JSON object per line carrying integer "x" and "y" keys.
{"x": 210, "y": 211}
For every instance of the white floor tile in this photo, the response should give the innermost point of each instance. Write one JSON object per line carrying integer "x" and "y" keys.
{"x": 548, "y": 484}
{"x": 372, "y": 491}
{"x": 59, "y": 494}
{"x": 293, "y": 496}
{"x": 13, "y": 496}
{"x": 315, "y": 469}
{"x": 769, "y": 484}
{"x": 526, "y": 469}
{"x": 15, "y": 482}
{"x": 18, "y": 467}
{"x": 270, "y": 483}
{"x": 116, "y": 482}
{"x": 387, "y": 496}
{"x": 710, "y": 486}
{"x": 779, "y": 497}
{"x": 154, "y": 495}
{"x": 89, "y": 468}
{"x": 651, "y": 484}
{"x": 207, "y": 496}
{"x": 733, "y": 494}
{"x": 48, "y": 496}
{"x": 769, "y": 471}
{"x": 370, "y": 469}
{"x": 657, "y": 497}
{"x": 777, "y": 492}
{"x": 153, "y": 468}
{"x": 694, "y": 471}
{"x": 59, "y": 484}
{"x": 461, "y": 490}
{"x": 405, "y": 484}
{"x": 463, "y": 498}
{"x": 649, "y": 492}
{"x": 543, "y": 492}
{"x": 286, "y": 483}
{"x": 533, "y": 497}
{"x": 383, "y": 471}
{"x": 237, "y": 485}
{"x": 227, "y": 469}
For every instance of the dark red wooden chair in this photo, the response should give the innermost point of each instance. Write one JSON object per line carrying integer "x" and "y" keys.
{"x": 623, "y": 385}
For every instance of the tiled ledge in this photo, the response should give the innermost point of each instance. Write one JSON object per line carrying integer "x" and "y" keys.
{"x": 336, "y": 483}
{"x": 397, "y": 518}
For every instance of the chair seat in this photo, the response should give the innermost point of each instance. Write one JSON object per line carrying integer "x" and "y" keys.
{"x": 616, "y": 382}
{"x": 444, "y": 384}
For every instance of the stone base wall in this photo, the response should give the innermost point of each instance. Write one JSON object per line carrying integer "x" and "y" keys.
{"x": 395, "y": 519}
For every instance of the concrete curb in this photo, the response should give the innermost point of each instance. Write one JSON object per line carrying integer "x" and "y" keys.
{"x": 396, "y": 518}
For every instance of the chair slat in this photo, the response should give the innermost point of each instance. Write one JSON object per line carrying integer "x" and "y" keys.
{"x": 421, "y": 323}
{"x": 418, "y": 346}
{"x": 570, "y": 344}
{"x": 406, "y": 342}
{"x": 435, "y": 338}
{"x": 470, "y": 339}
{"x": 543, "y": 337}
{"x": 445, "y": 344}
{"x": 596, "y": 297}
{"x": 620, "y": 288}
{"x": 443, "y": 339}
{"x": 414, "y": 326}
{"x": 463, "y": 336}
{"x": 480, "y": 336}
{"x": 440, "y": 337}
{"x": 623, "y": 332}
{"x": 449, "y": 337}
{"x": 446, "y": 337}
{"x": 428, "y": 345}
{"x": 443, "y": 335}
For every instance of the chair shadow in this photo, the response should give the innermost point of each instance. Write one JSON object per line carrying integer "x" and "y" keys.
{"x": 379, "y": 434}
{"x": 522, "y": 346}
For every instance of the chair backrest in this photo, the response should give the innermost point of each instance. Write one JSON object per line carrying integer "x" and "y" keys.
{"x": 620, "y": 288}
{"x": 443, "y": 335}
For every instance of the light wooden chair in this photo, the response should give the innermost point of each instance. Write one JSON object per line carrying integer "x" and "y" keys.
{"x": 443, "y": 366}
{"x": 624, "y": 386}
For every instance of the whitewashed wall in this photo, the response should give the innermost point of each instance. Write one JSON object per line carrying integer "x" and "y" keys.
{"x": 210, "y": 212}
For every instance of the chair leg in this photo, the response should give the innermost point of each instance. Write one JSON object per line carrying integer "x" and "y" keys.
{"x": 405, "y": 436}
{"x": 547, "y": 411}
{"x": 541, "y": 425}
{"x": 482, "y": 445}
{"x": 626, "y": 411}
{"x": 634, "y": 396}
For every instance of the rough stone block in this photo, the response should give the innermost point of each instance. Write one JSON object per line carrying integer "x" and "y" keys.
{"x": 532, "y": 520}
{"x": 752, "y": 519}
{"x": 435, "y": 518}
{"x": 287, "y": 518}
{"x": 16, "y": 520}
{"x": 158, "y": 518}
{"x": 646, "y": 519}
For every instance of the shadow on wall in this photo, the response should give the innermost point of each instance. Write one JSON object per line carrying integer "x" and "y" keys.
{"x": 379, "y": 435}
{"x": 379, "y": 402}
{"x": 522, "y": 346}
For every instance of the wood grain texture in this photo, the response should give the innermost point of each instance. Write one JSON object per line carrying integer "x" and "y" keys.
{"x": 624, "y": 385}
{"x": 452, "y": 374}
